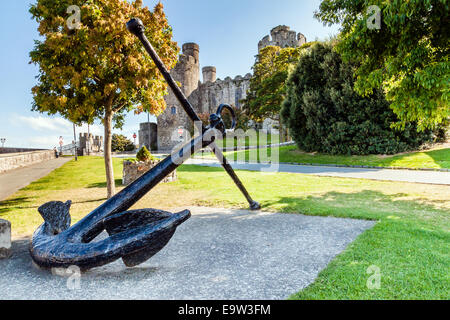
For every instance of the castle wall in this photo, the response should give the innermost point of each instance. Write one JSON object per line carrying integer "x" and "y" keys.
{"x": 284, "y": 37}
{"x": 88, "y": 143}
{"x": 210, "y": 95}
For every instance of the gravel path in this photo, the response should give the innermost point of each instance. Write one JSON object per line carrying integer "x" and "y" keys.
{"x": 14, "y": 180}
{"x": 414, "y": 176}
{"x": 217, "y": 254}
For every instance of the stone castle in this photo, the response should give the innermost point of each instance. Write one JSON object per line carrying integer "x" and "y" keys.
{"x": 284, "y": 37}
{"x": 206, "y": 96}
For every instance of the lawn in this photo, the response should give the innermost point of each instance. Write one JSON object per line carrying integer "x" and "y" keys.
{"x": 409, "y": 243}
{"x": 434, "y": 159}
{"x": 249, "y": 141}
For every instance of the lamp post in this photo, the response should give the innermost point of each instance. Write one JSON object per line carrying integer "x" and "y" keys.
{"x": 3, "y": 140}
{"x": 75, "y": 151}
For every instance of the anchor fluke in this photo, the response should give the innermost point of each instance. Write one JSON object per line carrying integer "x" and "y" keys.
{"x": 56, "y": 216}
{"x": 146, "y": 220}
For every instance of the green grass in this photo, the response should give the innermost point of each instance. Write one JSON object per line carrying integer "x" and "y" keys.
{"x": 255, "y": 140}
{"x": 409, "y": 243}
{"x": 434, "y": 159}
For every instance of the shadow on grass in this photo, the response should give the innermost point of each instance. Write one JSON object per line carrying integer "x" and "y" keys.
{"x": 15, "y": 203}
{"x": 441, "y": 157}
{"x": 366, "y": 204}
{"x": 198, "y": 168}
{"x": 103, "y": 184}
{"x": 7, "y": 206}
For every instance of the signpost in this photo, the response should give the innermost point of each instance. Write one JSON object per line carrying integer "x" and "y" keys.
{"x": 134, "y": 137}
{"x": 3, "y": 140}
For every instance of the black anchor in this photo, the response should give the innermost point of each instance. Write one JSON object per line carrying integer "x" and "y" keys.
{"x": 134, "y": 236}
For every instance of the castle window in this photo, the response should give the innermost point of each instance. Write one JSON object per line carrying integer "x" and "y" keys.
{"x": 173, "y": 110}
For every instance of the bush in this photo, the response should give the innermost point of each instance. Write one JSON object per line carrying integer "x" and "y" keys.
{"x": 144, "y": 155}
{"x": 324, "y": 113}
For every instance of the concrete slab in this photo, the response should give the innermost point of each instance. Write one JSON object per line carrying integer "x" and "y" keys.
{"x": 217, "y": 254}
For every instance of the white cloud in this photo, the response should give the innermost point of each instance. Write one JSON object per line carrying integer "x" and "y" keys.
{"x": 42, "y": 123}
{"x": 45, "y": 131}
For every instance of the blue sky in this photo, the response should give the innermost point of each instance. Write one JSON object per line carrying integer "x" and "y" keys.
{"x": 227, "y": 31}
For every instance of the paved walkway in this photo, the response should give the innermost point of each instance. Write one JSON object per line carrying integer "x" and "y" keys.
{"x": 414, "y": 176}
{"x": 14, "y": 180}
{"x": 217, "y": 254}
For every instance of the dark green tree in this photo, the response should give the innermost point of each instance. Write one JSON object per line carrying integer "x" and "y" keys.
{"x": 325, "y": 114}
{"x": 120, "y": 143}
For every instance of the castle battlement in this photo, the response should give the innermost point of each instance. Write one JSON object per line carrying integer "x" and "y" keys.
{"x": 238, "y": 78}
{"x": 282, "y": 36}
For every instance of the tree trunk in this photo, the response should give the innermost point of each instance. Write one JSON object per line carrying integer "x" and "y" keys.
{"x": 110, "y": 182}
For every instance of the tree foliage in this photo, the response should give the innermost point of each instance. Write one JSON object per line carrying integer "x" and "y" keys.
{"x": 408, "y": 56}
{"x": 120, "y": 143}
{"x": 267, "y": 85}
{"x": 326, "y": 115}
{"x": 99, "y": 71}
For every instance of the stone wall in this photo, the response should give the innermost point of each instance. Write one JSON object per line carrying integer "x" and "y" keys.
{"x": 88, "y": 144}
{"x": 134, "y": 170}
{"x": 210, "y": 95}
{"x": 17, "y": 150}
{"x": 17, "y": 160}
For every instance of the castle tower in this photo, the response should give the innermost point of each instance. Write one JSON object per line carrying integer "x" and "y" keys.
{"x": 187, "y": 73}
{"x": 209, "y": 74}
{"x": 284, "y": 37}
{"x": 187, "y": 70}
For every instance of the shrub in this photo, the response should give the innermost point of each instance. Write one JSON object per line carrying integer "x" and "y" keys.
{"x": 326, "y": 115}
{"x": 144, "y": 155}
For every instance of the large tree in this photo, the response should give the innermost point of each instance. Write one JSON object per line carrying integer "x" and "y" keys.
{"x": 325, "y": 114}
{"x": 267, "y": 85}
{"x": 406, "y": 52}
{"x": 99, "y": 70}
